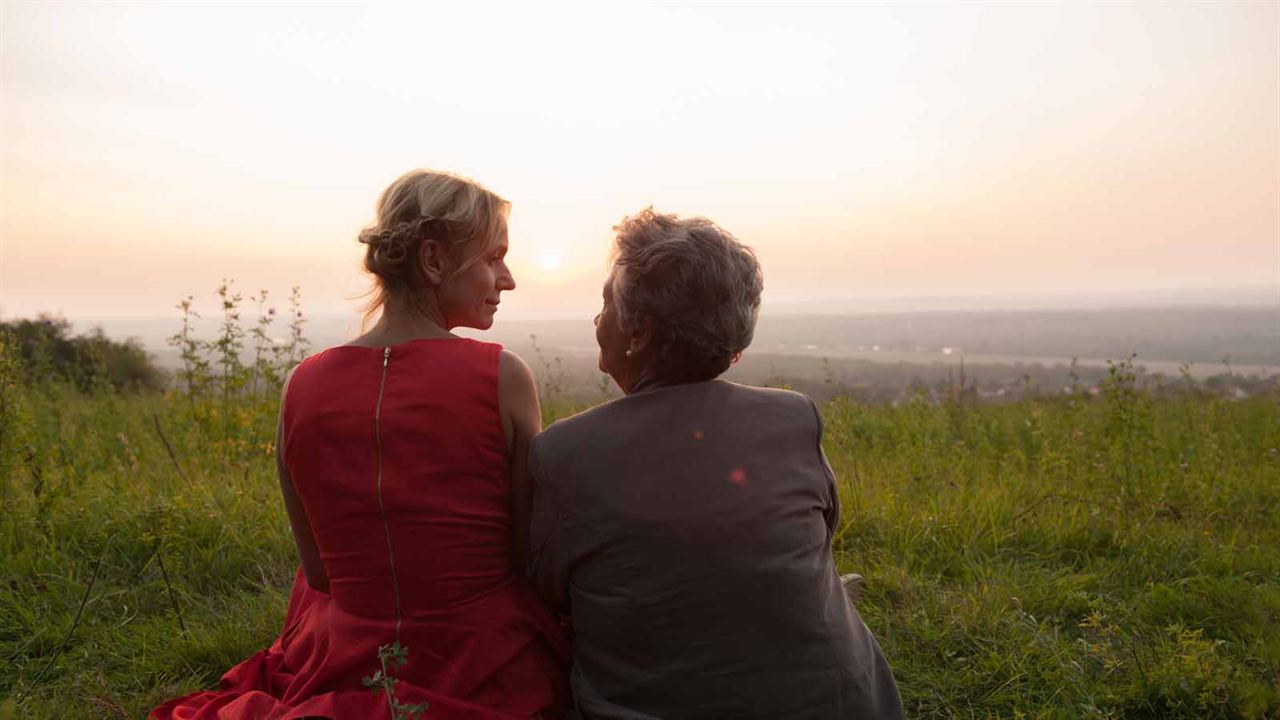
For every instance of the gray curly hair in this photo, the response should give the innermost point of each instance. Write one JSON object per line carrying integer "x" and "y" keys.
{"x": 695, "y": 283}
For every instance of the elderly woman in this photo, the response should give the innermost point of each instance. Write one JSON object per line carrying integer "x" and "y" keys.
{"x": 687, "y": 526}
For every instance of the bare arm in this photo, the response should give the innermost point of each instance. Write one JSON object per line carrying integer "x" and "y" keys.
{"x": 303, "y": 537}
{"x": 521, "y": 420}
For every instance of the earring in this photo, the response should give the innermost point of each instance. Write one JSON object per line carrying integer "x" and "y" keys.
{"x": 627, "y": 353}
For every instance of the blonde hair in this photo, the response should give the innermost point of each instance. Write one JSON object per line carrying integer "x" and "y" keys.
{"x": 427, "y": 206}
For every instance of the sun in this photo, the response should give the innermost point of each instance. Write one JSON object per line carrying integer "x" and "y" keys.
{"x": 550, "y": 260}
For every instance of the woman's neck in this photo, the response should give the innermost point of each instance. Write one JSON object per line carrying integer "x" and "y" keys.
{"x": 399, "y": 324}
{"x": 642, "y": 380}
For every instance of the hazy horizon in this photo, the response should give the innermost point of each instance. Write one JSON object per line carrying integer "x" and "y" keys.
{"x": 1203, "y": 339}
{"x": 1246, "y": 297}
{"x": 874, "y": 155}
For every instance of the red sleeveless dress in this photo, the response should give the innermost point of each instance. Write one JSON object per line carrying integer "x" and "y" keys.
{"x": 400, "y": 460}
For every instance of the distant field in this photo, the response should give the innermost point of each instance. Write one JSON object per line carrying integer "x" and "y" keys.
{"x": 897, "y": 376}
{"x": 1162, "y": 337}
{"x": 1112, "y": 556}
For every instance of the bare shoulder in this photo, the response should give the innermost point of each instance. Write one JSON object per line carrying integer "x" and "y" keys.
{"x": 514, "y": 374}
{"x": 517, "y": 396}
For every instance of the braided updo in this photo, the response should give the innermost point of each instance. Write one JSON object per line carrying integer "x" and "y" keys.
{"x": 421, "y": 206}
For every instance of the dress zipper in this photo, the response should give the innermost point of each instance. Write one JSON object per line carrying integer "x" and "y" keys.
{"x": 382, "y": 511}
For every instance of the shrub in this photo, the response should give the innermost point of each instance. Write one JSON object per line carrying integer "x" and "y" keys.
{"x": 47, "y": 351}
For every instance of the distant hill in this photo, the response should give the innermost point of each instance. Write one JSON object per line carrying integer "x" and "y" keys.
{"x": 1245, "y": 335}
{"x": 1204, "y": 336}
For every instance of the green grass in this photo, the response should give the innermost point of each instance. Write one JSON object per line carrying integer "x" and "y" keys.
{"x": 1110, "y": 557}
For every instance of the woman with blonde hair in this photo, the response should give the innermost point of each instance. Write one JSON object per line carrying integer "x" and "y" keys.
{"x": 401, "y": 461}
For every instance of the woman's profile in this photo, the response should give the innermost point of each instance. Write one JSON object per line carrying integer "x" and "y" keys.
{"x": 687, "y": 526}
{"x": 401, "y": 462}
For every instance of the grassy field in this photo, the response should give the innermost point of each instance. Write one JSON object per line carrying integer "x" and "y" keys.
{"x": 1109, "y": 557}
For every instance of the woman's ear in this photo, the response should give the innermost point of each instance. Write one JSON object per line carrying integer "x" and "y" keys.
{"x": 433, "y": 260}
{"x": 641, "y": 338}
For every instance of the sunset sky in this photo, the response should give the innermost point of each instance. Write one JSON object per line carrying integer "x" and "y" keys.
{"x": 865, "y": 151}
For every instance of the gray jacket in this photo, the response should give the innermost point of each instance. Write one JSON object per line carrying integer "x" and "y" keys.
{"x": 687, "y": 530}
